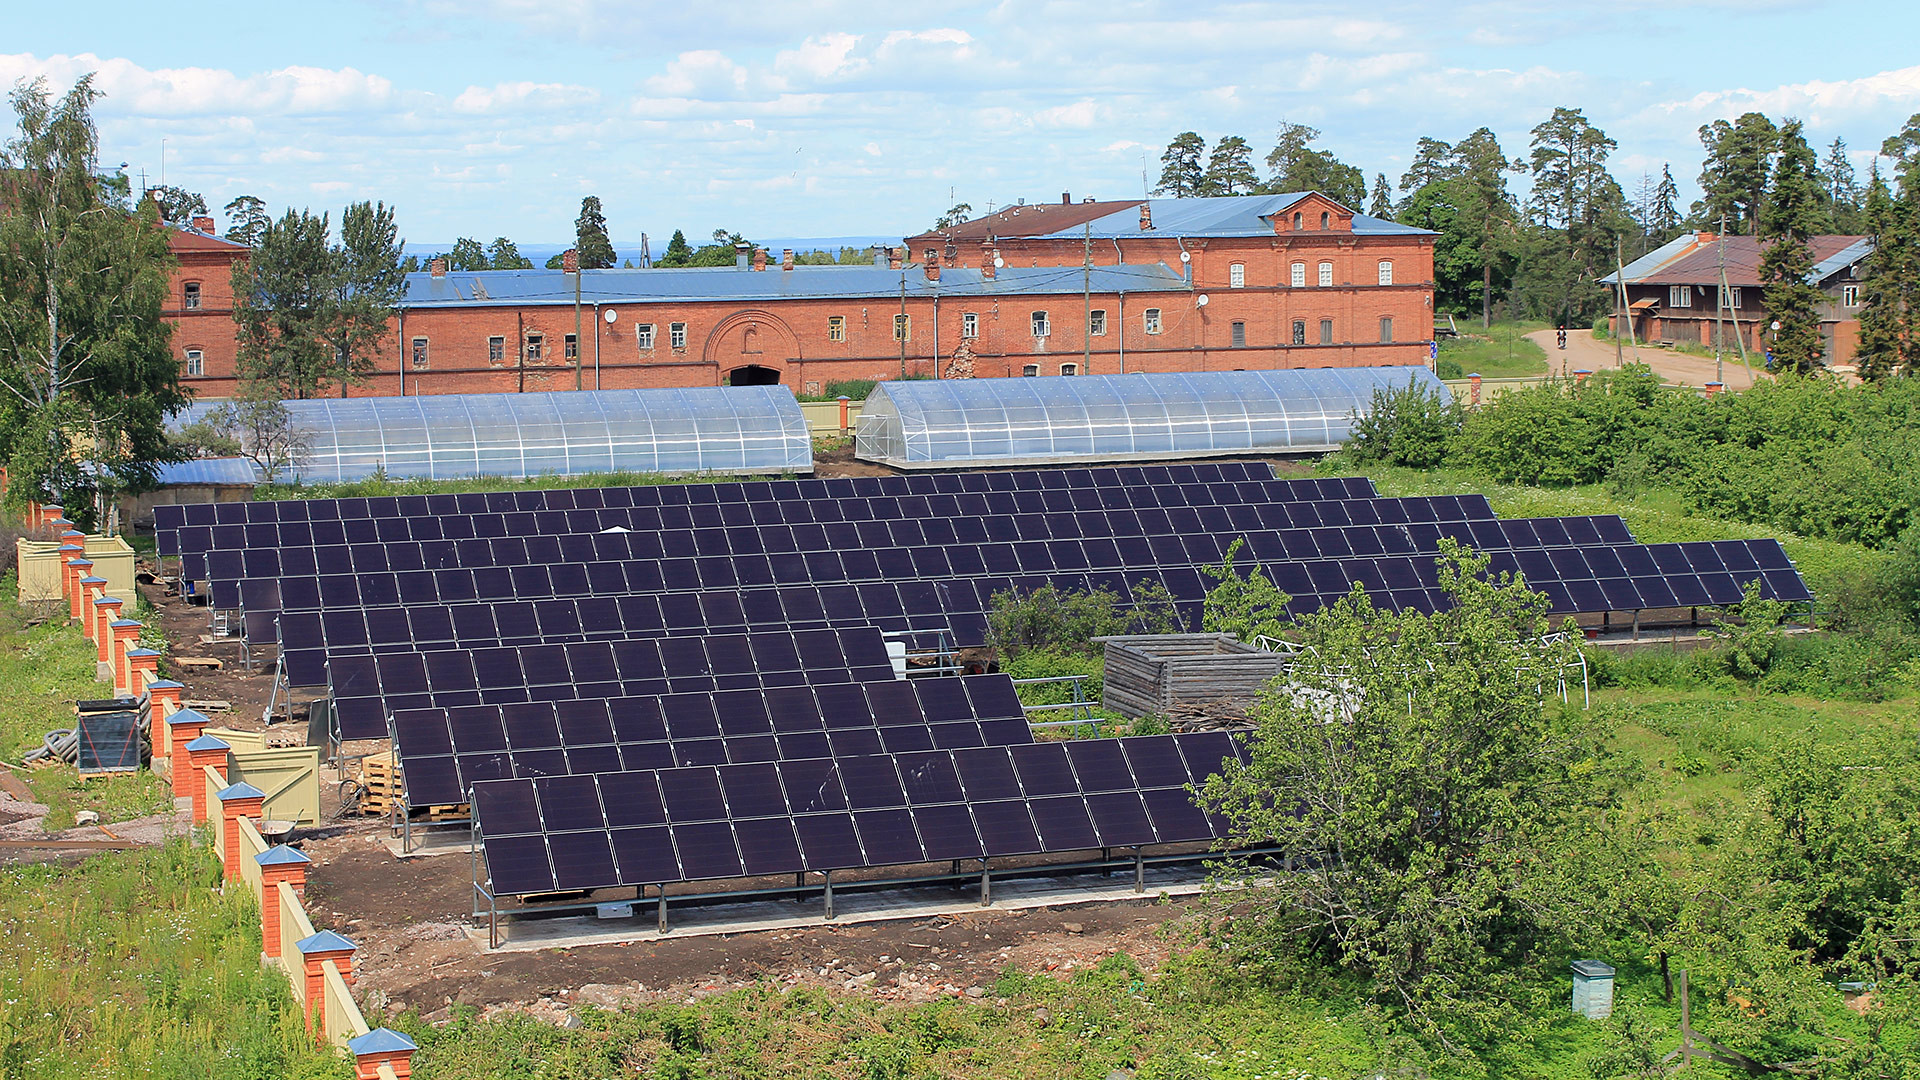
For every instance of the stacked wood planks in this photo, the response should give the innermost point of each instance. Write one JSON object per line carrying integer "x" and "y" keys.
{"x": 1175, "y": 675}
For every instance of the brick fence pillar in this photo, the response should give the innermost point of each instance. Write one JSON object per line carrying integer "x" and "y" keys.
{"x": 202, "y": 752}
{"x": 241, "y": 800}
{"x": 278, "y": 864}
{"x": 381, "y": 1046}
{"x": 81, "y": 570}
{"x": 106, "y": 611}
{"x": 92, "y": 589}
{"x": 68, "y": 552}
{"x": 183, "y": 727}
{"x": 125, "y": 633}
{"x": 143, "y": 668}
{"x": 323, "y": 946}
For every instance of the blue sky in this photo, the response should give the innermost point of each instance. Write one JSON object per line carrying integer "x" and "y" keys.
{"x": 493, "y": 117}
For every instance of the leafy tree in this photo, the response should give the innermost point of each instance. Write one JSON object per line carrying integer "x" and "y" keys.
{"x": 1380, "y": 203}
{"x": 1230, "y": 168}
{"x": 1488, "y": 221}
{"x": 1242, "y": 602}
{"x": 280, "y": 302}
{"x": 557, "y": 261}
{"x": 1792, "y": 216}
{"x": 1067, "y": 620}
{"x": 1582, "y": 211}
{"x": 1733, "y": 179}
{"x": 365, "y": 288}
{"x": 467, "y": 254}
{"x": 504, "y": 254}
{"x": 1423, "y": 794}
{"x": 724, "y": 251}
{"x": 247, "y": 220}
{"x": 590, "y": 235}
{"x": 260, "y": 430}
{"x": 177, "y": 205}
{"x": 84, "y": 359}
{"x": 955, "y": 217}
{"x": 678, "y": 252}
{"x": 1296, "y": 166}
{"x": 1180, "y": 172}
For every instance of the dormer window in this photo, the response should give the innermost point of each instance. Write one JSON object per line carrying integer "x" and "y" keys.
{"x": 1326, "y": 220}
{"x": 1297, "y": 219}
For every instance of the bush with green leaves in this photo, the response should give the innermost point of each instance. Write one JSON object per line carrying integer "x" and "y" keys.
{"x": 1409, "y": 425}
{"x": 1067, "y": 620}
{"x": 1243, "y": 601}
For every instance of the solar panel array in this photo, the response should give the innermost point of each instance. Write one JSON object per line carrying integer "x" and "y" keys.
{"x": 640, "y": 686}
{"x": 728, "y": 821}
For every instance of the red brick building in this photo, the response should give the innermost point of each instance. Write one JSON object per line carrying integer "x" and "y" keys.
{"x": 200, "y": 304}
{"x": 1174, "y": 285}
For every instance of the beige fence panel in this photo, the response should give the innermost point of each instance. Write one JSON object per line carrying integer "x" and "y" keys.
{"x": 339, "y": 1012}
{"x": 294, "y": 927}
{"x": 289, "y": 775}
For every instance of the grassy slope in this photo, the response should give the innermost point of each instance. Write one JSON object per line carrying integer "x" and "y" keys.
{"x": 44, "y": 669}
{"x": 134, "y": 964}
{"x": 1500, "y": 352}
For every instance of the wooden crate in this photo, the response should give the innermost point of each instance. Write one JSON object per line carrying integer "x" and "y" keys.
{"x": 1157, "y": 674}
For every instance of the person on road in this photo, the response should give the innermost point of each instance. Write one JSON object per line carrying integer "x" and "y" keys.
{"x": 1563, "y": 338}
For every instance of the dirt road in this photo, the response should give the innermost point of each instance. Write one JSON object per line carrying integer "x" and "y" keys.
{"x": 1585, "y": 352}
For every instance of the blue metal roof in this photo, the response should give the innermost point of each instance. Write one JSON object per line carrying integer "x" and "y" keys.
{"x": 1841, "y": 259}
{"x": 1653, "y": 260}
{"x": 1231, "y": 215}
{"x": 208, "y": 471}
{"x": 733, "y": 284}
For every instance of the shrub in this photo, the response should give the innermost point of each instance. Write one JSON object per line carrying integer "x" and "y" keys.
{"x": 1063, "y": 620}
{"x": 1410, "y": 425}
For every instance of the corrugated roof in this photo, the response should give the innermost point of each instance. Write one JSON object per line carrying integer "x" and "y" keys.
{"x": 524, "y": 287}
{"x": 188, "y": 238}
{"x": 1694, "y": 259}
{"x": 208, "y": 471}
{"x": 1224, "y": 215}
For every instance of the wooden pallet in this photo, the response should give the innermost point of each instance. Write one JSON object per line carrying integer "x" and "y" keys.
{"x": 381, "y": 790}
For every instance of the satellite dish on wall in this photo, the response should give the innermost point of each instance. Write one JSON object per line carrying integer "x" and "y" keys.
{"x": 612, "y": 316}
{"x": 1185, "y": 257}
{"x": 998, "y": 262}
{"x": 1200, "y": 301}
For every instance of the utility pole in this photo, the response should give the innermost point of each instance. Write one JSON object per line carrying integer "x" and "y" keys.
{"x": 1086, "y": 290}
{"x": 1720, "y": 304}
{"x": 901, "y": 327}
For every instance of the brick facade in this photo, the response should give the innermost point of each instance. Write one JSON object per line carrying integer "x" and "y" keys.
{"x": 1255, "y": 317}
{"x": 199, "y": 305}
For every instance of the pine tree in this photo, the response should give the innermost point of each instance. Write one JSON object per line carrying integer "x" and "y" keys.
{"x": 178, "y": 206}
{"x": 1230, "y": 168}
{"x": 590, "y": 236}
{"x": 1297, "y": 166}
{"x": 1885, "y": 284}
{"x": 1488, "y": 220}
{"x": 1843, "y": 188}
{"x": 678, "y": 253}
{"x": 1180, "y": 172}
{"x": 1791, "y": 216}
{"x": 1380, "y": 203}
{"x": 84, "y": 356}
{"x": 1733, "y": 179}
{"x": 279, "y": 302}
{"x": 504, "y": 254}
{"x": 1663, "y": 216}
{"x": 468, "y": 254}
{"x": 247, "y": 220}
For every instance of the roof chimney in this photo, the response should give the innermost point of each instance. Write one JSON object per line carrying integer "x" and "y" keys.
{"x": 987, "y": 256}
{"x": 896, "y": 258}
{"x": 786, "y": 258}
{"x": 933, "y": 268}
{"x": 1146, "y": 217}
{"x": 1066, "y": 198}
{"x": 1707, "y": 236}
{"x": 204, "y": 224}
{"x": 570, "y": 261}
{"x": 439, "y": 268}
{"x": 741, "y": 253}
{"x": 759, "y": 258}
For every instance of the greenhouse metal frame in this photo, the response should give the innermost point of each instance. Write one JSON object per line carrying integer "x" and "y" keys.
{"x": 731, "y": 430}
{"x": 983, "y": 422}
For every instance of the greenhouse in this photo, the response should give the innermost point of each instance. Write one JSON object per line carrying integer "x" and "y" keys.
{"x": 956, "y": 423}
{"x": 726, "y": 430}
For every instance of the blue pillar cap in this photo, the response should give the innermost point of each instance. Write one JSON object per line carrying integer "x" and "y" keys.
{"x": 241, "y": 790}
{"x": 280, "y": 855}
{"x": 380, "y": 1041}
{"x": 325, "y": 941}
{"x": 207, "y": 742}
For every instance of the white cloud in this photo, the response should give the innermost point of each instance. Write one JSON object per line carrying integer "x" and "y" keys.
{"x": 700, "y": 73}
{"x": 1818, "y": 102}
{"x": 820, "y": 59}
{"x": 194, "y": 91}
{"x": 524, "y": 96}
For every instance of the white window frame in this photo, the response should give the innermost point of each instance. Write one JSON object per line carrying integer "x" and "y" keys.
{"x": 1031, "y": 371}
{"x": 1097, "y": 322}
{"x": 1069, "y": 369}
{"x": 643, "y": 336}
{"x": 1237, "y": 276}
{"x": 1326, "y": 275}
{"x": 677, "y": 335}
{"x": 1298, "y": 276}
{"x": 1849, "y": 296}
{"x": 534, "y": 347}
{"x": 417, "y": 355}
{"x": 969, "y": 324}
{"x": 569, "y": 347}
{"x": 496, "y": 349}
{"x": 1386, "y": 272}
{"x": 196, "y": 364}
{"x": 836, "y": 328}
{"x": 1150, "y": 320}
{"x": 190, "y": 296}
{"x": 1041, "y": 325}
{"x": 1679, "y": 296}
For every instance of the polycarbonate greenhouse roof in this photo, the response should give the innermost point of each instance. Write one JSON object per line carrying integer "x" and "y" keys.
{"x": 729, "y": 430}
{"x": 964, "y": 422}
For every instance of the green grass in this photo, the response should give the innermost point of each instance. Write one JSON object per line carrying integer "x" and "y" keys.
{"x": 44, "y": 669}
{"x": 133, "y": 964}
{"x": 1501, "y": 352}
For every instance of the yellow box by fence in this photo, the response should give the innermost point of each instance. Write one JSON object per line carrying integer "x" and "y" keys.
{"x": 38, "y": 563}
{"x": 290, "y": 775}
